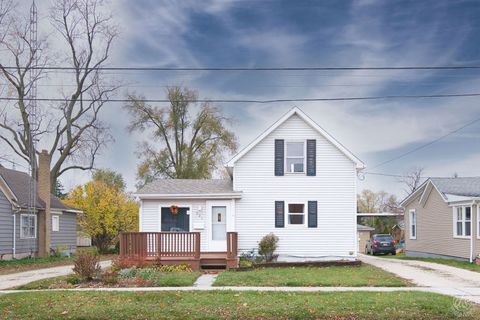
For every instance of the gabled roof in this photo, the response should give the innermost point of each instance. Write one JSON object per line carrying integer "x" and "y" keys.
{"x": 191, "y": 188}
{"x": 450, "y": 189}
{"x": 309, "y": 121}
{"x": 18, "y": 184}
{"x": 364, "y": 228}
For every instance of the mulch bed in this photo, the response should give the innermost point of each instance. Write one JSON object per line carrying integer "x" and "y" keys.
{"x": 314, "y": 264}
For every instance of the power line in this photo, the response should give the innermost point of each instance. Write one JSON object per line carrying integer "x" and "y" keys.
{"x": 383, "y": 68}
{"x": 449, "y": 95}
{"x": 426, "y": 144}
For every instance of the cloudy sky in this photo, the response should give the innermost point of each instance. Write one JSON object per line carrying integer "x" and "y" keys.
{"x": 276, "y": 33}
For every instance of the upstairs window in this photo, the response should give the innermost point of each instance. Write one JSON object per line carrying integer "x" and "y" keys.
{"x": 295, "y": 157}
{"x": 462, "y": 218}
{"x": 296, "y": 213}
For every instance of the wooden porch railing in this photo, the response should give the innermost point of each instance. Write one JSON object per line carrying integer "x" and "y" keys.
{"x": 160, "y": 244}
{"x": 232, "y": 245}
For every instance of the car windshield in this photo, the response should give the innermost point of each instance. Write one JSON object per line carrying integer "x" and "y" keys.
{"x": 384, "y": 238}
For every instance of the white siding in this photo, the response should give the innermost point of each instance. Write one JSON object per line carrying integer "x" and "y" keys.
{"x": 150, "y": 216}
{"x": 334, "y": 187}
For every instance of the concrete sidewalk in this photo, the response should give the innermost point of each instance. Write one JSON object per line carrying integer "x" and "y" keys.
{"x": 18, "y": 279}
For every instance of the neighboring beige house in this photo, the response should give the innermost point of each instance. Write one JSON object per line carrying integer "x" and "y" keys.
{"x": 363, "y": 234}
{"x": 442, "y": 219}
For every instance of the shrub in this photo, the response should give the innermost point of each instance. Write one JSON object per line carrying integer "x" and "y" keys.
{"x": 267, "y": 247}
{"x": 110, "y": 278}
{"x": 177, "y": 268}
{"x": 73, "y": 280}
{"x": 128, "y": 273}
{"x": 87, "y": 266}
{"x": 125, "y": 263}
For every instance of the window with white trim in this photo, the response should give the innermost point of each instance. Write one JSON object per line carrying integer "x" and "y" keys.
{"x": 28, "y": 226}
{"x": 295, "y": 156}
{"x": 55, "y": 223}
{"x": 478, "y": 221}
{"x": 296, "y": 213}
{"x": 413, "y": 224}
{"x": 462, "y": 221}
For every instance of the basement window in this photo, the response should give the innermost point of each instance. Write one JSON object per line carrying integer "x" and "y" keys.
{"x": 28, "y": 226}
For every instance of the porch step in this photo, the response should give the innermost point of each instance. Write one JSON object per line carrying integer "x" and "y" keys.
{"x": 213, "y": 259}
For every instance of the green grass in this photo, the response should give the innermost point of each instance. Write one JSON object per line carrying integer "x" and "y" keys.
{"x": 341, "y": 276}
{"x": 42, "y": 284}
{"x": 163, "y": 279}
{"x": 176, "y": 279}
{"x": 231, "y": 304}
{"x": 449, "y": 262}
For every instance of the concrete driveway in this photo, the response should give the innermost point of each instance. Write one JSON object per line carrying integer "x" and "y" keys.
{"x": 21, "y": 278}
{"x": 444, "y": 279}
{"x": 426, "y": 274}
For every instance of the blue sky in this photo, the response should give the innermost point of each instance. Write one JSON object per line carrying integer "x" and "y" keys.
{"x": 275, "y": 33}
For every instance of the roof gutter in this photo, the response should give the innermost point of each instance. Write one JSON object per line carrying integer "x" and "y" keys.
{"x": 190, "y": 196}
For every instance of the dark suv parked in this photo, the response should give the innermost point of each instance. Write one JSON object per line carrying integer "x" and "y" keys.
{"x": 380, "y": 243}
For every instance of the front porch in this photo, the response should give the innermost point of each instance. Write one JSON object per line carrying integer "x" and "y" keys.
{"x": 171, "y": 248}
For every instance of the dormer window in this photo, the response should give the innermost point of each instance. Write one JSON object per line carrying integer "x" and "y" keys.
{"x": 295, "y": 156}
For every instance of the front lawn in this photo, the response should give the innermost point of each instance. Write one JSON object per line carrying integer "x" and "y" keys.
{"x": 231, "y": 304}
{"x": 449, "y": 262}
{"x": 337, "y": 276}
{"x": 157, "y": 279}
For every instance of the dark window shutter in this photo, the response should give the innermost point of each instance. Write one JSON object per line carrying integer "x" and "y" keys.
{"x": 279, "y": 214}
{"x": 279, "y": 157}
{"x": 311, "y": 157}
{"x": 312, "y": 214}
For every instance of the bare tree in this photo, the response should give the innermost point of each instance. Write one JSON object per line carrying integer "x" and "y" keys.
{"x": 72, "y": 128}
{"x": 412, "y": 179}
{"x": 187, "y": 145}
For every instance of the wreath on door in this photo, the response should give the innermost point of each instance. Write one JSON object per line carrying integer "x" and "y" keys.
{"x": 174, "y": 209}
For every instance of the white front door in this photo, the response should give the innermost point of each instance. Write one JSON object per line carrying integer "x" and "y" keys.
{"x": 219, "y": 213}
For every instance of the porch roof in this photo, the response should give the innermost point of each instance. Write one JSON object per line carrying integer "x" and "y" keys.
{"x": 188, "y": 188}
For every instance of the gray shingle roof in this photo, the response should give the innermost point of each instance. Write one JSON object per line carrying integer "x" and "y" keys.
{"x": 19, "y": 183}
{"x": 188, "y": 186}
{"x": 364, "y": 228}
{"x": 462, "y": 186}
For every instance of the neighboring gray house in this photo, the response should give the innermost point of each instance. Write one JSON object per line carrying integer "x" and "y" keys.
{"x": 442, "y": 219}
{"x": 19, "y": 223}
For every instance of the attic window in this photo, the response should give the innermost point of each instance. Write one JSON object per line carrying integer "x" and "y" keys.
{"x": 295, "y": 156}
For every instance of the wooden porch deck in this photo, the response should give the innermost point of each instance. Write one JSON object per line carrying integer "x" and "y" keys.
{"x": 172, "y": 248}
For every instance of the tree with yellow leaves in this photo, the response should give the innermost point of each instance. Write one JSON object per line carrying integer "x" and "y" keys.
{"x": 106, "y": 212}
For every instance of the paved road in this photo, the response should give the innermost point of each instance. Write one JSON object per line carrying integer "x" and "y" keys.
{"x": 21, "y": 278}
{"x": 434, "y": 275}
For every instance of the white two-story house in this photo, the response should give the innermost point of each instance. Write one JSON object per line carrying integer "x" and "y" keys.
{"x": 295, "y": 180}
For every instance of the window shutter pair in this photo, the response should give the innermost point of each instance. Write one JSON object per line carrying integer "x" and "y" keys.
{"x": 280, "y": 214}
{"x": 311, "y": 155}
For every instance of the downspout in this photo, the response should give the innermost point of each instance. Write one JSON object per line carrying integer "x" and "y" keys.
{"x": 471, "y": 230}
{"x": 14, "y": 249}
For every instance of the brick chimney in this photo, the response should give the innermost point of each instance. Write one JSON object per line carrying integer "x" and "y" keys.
{"x": 44, "y": 216}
